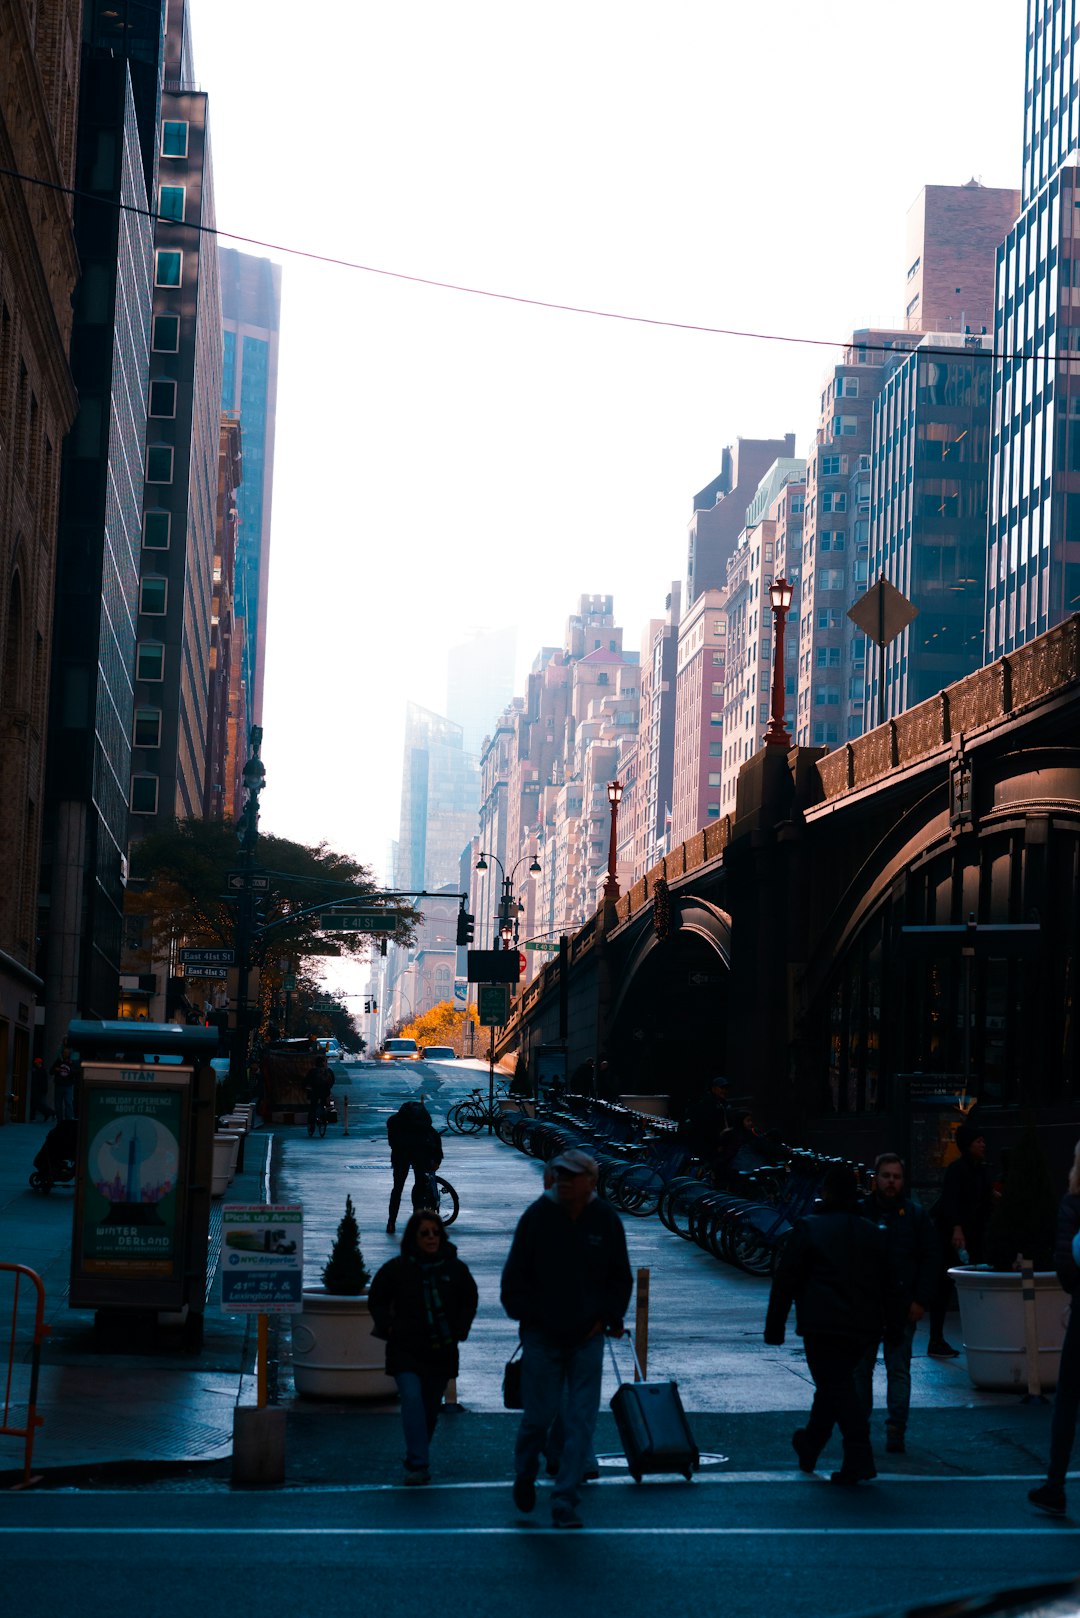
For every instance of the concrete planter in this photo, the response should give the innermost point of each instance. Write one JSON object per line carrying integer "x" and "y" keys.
{"x": 226, "y": 1147}
{"x": 334, "y": 1353}
{"x": 992, "y": 1318}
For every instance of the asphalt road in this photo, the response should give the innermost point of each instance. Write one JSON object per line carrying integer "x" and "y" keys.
{"x": 753, "y": 1546}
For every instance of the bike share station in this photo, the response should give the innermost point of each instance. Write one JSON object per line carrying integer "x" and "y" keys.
{"x": 142, "y": 1179}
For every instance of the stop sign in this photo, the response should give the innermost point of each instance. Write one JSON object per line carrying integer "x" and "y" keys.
{"x": 522, "y": 962}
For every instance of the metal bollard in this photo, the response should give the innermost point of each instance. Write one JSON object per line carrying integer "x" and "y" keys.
{"x": 1034, "y": 1394}
{"x": 641, "y": 1326}
{"x": 345, "y": 1114}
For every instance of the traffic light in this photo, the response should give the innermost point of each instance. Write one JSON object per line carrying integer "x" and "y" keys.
{"x": 466, "y": 926}
{"x": 375, "y": 1007}
{"x": 367, "y": 1008}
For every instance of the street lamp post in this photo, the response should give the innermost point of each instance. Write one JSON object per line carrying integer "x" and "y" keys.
{"x": 611, "y": 881}
{"x": 247, "y": 831}
{"x": 780, "y": 593}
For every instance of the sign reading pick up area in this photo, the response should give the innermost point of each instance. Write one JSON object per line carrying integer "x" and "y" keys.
{"x": 262, "y": 1258}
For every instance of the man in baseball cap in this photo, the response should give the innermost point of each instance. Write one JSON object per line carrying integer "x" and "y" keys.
{"x": 567, "y": 1280}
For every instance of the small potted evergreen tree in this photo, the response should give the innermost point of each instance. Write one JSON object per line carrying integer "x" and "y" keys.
{"x": 334, "y": 1353}
{"x": 1021, "y": 1227}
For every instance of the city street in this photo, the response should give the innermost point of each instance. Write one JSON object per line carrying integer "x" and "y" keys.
{"x": 950, "y": 1516}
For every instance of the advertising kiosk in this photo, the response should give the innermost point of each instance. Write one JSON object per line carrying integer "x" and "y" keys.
{"x": 143, "y": 1172}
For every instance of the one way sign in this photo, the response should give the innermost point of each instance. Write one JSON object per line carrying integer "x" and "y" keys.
{"x": 236, "y": 881}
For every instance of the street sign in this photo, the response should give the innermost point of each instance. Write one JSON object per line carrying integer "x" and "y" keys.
{"x": 493, "y": 1004}
{"x": 288, "y": 983}
{"x": 205, "y": 971}
{"x": 262, "y": 1258}
{"x": 358, "y": 921}
{"x": 523, "y": 964}
{"x": 882, "y": 613}
{"x": 538, "y": 943}
{"x": 493, "y": 965}
{"x": 208, "y": 957}
{"x": 237, "y": 880}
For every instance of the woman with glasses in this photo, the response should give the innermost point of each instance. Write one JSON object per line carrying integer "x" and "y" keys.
{"x": 423, "y": 1303}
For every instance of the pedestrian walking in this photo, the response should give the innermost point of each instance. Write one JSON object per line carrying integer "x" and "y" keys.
{"x": 39, "y": 1088}
{"x": 1050, "y": 1496}
{"x": 912, "y": 1280}
{"x": 705, "y": 1121}
{"x": 566, "y": 1281}
{"x": 63, "y": 1077}
{"x": 317, "y": 1087}
{"x": 961, "y": 1215}
{"x": 833, "y": 1270}
{"x": 423, "y": 1303}
{"x": 415, "y": 1148}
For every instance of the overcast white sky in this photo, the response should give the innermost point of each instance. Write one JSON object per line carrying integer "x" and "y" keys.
{"x": 447, "y": 462}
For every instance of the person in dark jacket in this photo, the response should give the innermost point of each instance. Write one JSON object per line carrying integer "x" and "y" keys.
{"x": 961, "y": 1215}
{"x": 1050, "y": 1496}
{"x": 705, "y": 1121}
{"x": 415, "y": 1148}
{"x": 423, "y": 1303}
{"x": 567, "y": 1281}
{"x": 912, "y": 1280}
{"x": 833, "y": 1269}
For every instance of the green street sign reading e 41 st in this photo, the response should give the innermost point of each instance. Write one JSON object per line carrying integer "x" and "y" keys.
{"x": 358, "y": 921}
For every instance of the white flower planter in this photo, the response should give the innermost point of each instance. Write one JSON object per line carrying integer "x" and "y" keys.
{"x": 334, "y": 1353}
{"x": 992, "y": 1319}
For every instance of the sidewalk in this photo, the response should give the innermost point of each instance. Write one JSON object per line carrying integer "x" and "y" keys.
{"x": 114, "y": 1415}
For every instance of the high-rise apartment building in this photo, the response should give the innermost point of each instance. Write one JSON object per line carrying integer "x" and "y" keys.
{"x": 225, "y": 714}
{"x": 91, "y": 700}
{"x": 176, "y": 586}
{"x": 1033, "y": 556}
{"x": 647, "y": 801}
{"x": 701, "y": 659}
{"x": 928, "y": 481}
{"x": 39, "y": 47}
{"x": 953, "y": 235}
{"x": 720, "y": 510}
{"x": 251, "y": 321}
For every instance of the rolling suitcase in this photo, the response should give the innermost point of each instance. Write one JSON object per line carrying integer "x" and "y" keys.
{"x": 652, "y": 1425}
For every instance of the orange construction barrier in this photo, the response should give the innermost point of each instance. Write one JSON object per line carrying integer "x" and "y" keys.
{"x": 41, "y": 1331}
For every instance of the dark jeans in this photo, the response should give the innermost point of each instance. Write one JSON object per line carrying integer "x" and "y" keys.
{"x": 559, "y": 1380}
{"x": 832, "y": 1362}
{"x": 1066, "y": 1401}
{"x": 898, "y": 1377}
{"x": 402, "y": 1168}
{"x": 421, "y": 1397}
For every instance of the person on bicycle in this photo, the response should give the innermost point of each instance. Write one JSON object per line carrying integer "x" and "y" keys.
{"x": 320, "y": 1082}
{"x": 414, "y": 1147}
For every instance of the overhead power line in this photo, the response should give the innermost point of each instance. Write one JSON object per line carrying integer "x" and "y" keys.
{"x": 517, "y": 297}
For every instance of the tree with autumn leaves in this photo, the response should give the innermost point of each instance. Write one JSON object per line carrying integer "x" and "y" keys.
{"x": 442, "y": 1025}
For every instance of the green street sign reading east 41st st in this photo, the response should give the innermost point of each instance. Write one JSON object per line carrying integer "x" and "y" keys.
{"x": 358, "y": 921}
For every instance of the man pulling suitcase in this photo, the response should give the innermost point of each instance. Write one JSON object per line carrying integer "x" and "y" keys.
{"x": 567, "y": 1280}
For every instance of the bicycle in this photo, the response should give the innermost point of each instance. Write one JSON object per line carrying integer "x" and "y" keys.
{"x": 318, "y": 1117}
{"x": 469, "y": 1117}
{"x": 440, "y": 1194}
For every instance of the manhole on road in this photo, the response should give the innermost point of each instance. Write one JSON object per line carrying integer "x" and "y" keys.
{"x": 619, "y": 1461}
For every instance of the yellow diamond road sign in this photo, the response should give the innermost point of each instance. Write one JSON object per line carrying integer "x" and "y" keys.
{"x": 882, "y": 613}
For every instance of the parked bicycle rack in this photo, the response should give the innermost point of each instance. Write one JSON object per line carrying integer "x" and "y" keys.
{"x": 41, "y": 1331}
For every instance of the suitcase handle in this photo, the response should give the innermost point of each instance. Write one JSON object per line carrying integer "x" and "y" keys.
{"x": 637, "y": 1363}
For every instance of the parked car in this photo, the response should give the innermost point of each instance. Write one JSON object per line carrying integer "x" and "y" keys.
{"x": 400, "y": 1050}
{"x": 333, "y": 1048}
{"x": 438, "y": 1053}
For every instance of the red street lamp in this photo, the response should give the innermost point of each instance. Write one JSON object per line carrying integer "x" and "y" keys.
{"x": 780, "y": 593}
{"x": 611, "y": 882}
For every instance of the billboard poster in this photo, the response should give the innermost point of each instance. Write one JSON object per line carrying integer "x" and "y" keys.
{"x": 262, "y": 1258}
{"x": 131, "y": 1189}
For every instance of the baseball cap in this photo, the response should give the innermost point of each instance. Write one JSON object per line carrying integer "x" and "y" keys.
{"x": 575, "y": 1162}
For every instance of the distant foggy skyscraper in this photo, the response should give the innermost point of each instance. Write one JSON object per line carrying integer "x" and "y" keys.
{"x": 480, "y": 682}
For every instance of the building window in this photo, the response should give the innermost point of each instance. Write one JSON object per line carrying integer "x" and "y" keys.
{"x": 713, "y": 811}
{"x": 718, "y": 688}
{"x": 831, "y": 466}
{"x": 845, "y": 426}
{"x": 144, "y": 794}
{"x": 718, "y": 660}
{"x": 171, "y": 201}
{"x": 847, "y": 387}
{"x": 833, "y": 500}
{"x": 159, "y": 463}
{"x": 174, "y": 137}
{"x": 150, "y": 660}
{"x": 716, "y": 718}
{"x": 168, "y": 267}
{"x": 153, "y": 595}
{"x": 166, "y": 338}
{"x": 147, "y": 732}
{"x": 155, "y": 530}
{"x": 913, "y": 305}
{"x": 163, "y": 398}
{"x": 798, "y": 504}
{"x": 716, "y": 749}
{"x": 826, "y": 735}
{"x": 714, "y": 778}
{"x": 831, "y": 578}
{"x": 828, "y": 618}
